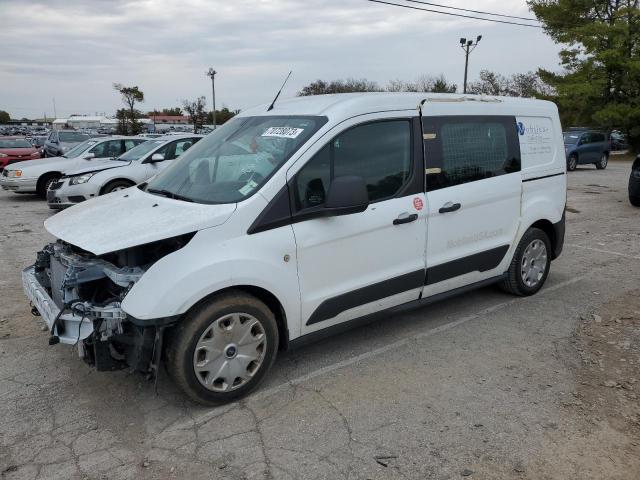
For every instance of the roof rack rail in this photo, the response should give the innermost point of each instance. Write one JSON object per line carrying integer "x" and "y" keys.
{"x": 479, "y": 98}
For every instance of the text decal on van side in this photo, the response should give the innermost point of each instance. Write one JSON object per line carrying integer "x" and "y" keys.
{"x": 282, "y": 132}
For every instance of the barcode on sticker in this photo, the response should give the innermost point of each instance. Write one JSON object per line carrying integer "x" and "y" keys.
{"x": 282, "y": 132}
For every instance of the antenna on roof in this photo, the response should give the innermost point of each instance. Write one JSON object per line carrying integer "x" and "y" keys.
{"x": 278, "y": 94}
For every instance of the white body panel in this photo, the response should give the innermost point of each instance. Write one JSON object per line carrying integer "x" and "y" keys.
{"x": 305, "y": 263}
{"x": 133, "y": 218}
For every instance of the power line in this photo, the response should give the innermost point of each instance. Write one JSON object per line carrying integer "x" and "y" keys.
{"x": 456, "y": 14}
{"x": 473, "y": 11}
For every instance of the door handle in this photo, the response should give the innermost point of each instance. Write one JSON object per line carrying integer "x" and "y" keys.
{"x": 405, "y": 219}
{"x": 449, "y": 207}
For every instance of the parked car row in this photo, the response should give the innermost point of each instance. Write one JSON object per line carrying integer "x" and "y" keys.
{"x": 94, "y": 167}
{"x": 23, "y": 130}
{"x": 135, "y": 166}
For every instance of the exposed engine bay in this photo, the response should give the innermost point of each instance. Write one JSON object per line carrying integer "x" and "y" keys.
{"x": 82, "y": 297}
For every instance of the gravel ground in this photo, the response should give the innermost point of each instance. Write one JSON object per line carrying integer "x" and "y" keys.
{"x": 483, "y": 386}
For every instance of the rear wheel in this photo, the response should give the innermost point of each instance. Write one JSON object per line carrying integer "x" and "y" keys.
{"x": 530, "y": 265}
{"x": 572, "y": 163}
{"x": 604, "y": 160}
{"x": 223, "y": 348}
{"x": 44, "y": 183}
{"x": 635, "y": 201}
{"x": 116, "y": 185}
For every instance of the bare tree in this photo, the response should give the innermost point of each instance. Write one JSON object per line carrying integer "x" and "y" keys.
{"x": 131, "y": 96}
{"x": 424, "y": 83}
{"x": 517, "y": 85}
{"x": 320, "y": 87}
{"x": 196, "y": 111}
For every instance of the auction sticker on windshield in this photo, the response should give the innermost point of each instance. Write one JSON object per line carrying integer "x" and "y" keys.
{"x": 282, "y": 132}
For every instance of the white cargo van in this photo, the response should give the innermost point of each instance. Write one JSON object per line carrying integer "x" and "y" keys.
{"x": 291, "y": 223}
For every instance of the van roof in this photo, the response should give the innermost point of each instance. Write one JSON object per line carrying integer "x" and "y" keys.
{"x": 346, "y": 105}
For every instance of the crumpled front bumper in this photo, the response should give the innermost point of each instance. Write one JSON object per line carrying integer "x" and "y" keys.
{"x": 75, "y": 327}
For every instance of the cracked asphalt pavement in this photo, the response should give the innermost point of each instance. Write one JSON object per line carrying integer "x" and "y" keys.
{"x": 480, "y": 386}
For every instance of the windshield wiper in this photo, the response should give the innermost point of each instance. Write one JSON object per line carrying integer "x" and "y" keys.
{"x": 168, "y": 194}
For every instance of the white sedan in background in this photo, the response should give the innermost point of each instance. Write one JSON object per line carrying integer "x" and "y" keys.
{"x": 35, "y": 176}
{"x": 133, "y": 167}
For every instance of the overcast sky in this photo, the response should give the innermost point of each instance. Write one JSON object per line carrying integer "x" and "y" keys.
{"x": 74, "y": 50}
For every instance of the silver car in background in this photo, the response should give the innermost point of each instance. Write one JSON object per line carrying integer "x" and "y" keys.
{"x": 133, "y": 167}
{"x": 60, "y": 142}
{"x": 35, "y": 176}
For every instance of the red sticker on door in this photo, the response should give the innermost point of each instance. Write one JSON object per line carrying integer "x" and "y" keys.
{"x": 417, "y": 203}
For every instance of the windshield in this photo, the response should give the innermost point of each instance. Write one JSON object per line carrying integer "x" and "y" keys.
{"x": 136, "y": 153}
{"x": 571, "y": 138}
{"x": 15, "y": 143}
{"x": 80, "y": 148}
{"x": 234, "y": 161}
{"x": 72, "y": 136}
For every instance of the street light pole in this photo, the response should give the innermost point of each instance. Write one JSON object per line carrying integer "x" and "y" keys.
{"x": 468, "y": 46}
{"x": 212, "y": 73}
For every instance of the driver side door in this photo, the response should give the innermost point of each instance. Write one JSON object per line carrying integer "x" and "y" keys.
{"x": 353, "y": 265}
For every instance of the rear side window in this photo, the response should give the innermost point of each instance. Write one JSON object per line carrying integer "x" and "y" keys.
{"x": 130, "y": 143}
{"x": 108, "y": 149}
{"x": 469, "y": 149}
{"x": 173, "y": 150}
{"x": 380, "y": 152}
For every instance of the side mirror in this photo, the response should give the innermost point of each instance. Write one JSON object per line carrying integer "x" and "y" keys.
{"x": 347, "y": 195}
{"x": 157, "y": 157}
{"x": 89, "y": 156}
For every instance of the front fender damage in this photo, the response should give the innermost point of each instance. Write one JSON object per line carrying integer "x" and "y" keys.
{"x": 79, "y": 295}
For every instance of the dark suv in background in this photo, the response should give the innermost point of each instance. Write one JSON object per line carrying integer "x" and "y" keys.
{"x": 586, "y": 146}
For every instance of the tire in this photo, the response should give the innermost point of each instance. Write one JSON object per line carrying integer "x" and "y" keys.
{"x": 116, "y": 185}
{"x": 523, "y": 277}
{"x": 572, "y": 163}
{"x": 44, "y": 183}
{"x": 213, "y": 323}
{"x": 604, "y": 160}
{"x": 635, "y": 201}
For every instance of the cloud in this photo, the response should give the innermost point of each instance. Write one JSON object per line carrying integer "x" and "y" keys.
{"x": 74, "y": 50}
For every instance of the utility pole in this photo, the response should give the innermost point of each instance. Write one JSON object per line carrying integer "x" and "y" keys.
{"x": 468, "y": 46}
{"x": 212, "y": 73}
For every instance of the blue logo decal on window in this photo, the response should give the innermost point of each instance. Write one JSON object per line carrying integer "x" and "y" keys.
{"x": 521, "y": 128}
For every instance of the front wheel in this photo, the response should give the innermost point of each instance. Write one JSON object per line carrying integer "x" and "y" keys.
{"x": 572, "y": 163}
{"x": 530, "y": 265}
{"x": 223, "y": 348}
{"x": 602, "y": 164}
{"x": 115, "y": 186}
{"x": 44, "y": 183}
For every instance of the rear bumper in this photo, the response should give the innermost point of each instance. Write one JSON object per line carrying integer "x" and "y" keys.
{"x": 559, "y": 232}
{"x": 74, "y": 326}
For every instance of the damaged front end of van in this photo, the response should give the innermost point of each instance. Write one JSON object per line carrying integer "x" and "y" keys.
{"x": 79, "y": 296}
